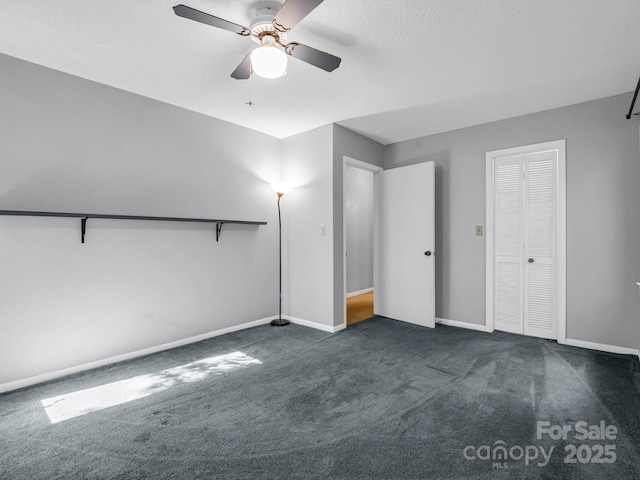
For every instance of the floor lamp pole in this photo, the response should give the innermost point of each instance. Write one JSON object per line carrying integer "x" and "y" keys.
{"x": 280, "y": 322}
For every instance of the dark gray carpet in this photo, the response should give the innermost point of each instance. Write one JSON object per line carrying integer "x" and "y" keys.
{"x": 380, "y": 400}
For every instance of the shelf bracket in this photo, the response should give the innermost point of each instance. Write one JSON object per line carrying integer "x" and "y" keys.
{"x": 218, "y": 231}
{"x": 633, "y": 102}
{"x": 83, "y": 227}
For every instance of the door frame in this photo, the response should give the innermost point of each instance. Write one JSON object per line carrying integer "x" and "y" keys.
{"x": 561, "y": 261}
{"x": 352, "y": 162}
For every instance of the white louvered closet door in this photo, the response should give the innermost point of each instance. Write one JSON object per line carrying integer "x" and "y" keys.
{"x": 540, "y": 212}
{"x": 525, "y": 244}
{"x": 509, "y": 287}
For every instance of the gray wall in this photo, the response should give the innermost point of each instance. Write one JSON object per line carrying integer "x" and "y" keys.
{"x": 359, "y": 225}
{"x": 353, "y": 145}
{"x": 603, "y": 254}
{"x": 68, "y": 144}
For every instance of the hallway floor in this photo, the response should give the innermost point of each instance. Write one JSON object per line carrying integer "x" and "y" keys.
{"x": 359, "y": 308}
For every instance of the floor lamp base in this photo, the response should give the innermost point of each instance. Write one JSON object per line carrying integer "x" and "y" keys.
{"x": 279, "y": 322}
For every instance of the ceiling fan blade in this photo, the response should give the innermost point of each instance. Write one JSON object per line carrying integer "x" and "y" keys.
{"x": 292, "y": 12}
{"x": 317, "y": 58}
{"x": 243, "y": 71}
{"x": 198, "y": 16}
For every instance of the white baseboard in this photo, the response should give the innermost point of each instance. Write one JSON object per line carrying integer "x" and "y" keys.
{"x": 456, "y": 323}
{"x": 575, "y": 343}
{"x": 604, "y": 347}
{"x": 359, "y": 292}
{"x": 26, "y": 382}
{"x": 45, "y": 377}
{"x": 317, "y": 326}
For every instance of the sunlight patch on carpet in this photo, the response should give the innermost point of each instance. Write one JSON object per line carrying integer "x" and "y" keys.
{"x": 75, "y": 404}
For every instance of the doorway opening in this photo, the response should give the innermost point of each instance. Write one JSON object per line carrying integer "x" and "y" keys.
{"x": 359, "y": 227}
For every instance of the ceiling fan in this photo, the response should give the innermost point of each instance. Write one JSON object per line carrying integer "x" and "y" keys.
{"x": 269, "y": 31}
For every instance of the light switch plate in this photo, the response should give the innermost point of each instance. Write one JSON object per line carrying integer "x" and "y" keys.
{"x": 479, "y": 230}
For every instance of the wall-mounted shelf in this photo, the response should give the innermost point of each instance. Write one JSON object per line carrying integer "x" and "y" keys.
{"x": 86, "y": 216}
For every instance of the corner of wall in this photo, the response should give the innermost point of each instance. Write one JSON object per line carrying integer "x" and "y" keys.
{"x": 307, "y": 164}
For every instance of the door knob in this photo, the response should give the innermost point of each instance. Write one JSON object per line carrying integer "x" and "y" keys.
{"x": 428, "y": 253}
{"x": 531, "y": 260}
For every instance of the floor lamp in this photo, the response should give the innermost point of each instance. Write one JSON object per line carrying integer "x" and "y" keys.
{"x": 281, "y": 189}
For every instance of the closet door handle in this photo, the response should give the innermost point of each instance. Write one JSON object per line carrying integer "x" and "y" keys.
{"x": 531, "y": 260}
{"x": 428, "y": 253}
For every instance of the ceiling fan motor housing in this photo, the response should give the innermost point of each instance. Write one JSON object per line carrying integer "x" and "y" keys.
{"x": 263, "y": 22}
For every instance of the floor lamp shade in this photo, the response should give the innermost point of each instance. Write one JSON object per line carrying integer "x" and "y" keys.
{"x": 281, "y": 188}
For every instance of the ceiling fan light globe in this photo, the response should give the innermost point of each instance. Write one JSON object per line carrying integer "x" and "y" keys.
{"x": 268, "y": 61}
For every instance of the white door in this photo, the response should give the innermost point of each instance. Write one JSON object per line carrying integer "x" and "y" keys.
{"x": 509, "y": 245}
{"x": 540, "y": 220}
{"x": 525, "y": 236}
{"x": 406, "y": 265}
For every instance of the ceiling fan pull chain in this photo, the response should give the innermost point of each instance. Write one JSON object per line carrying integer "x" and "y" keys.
{"x": 250, "y": 103}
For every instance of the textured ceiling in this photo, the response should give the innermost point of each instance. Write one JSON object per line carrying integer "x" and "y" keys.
{"x": 409, "y": 67}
